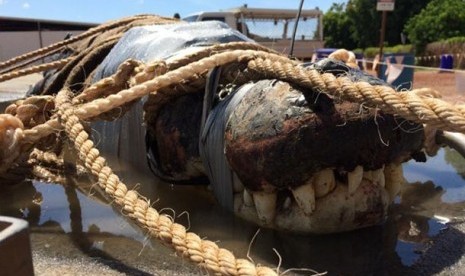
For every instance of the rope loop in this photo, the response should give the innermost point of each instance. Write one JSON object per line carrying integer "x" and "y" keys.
{"x": 11, "y": 136}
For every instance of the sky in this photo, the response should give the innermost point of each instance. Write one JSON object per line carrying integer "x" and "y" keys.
{"x": 98, "y": 11}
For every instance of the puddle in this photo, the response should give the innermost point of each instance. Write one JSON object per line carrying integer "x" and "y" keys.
{"x": 436, "y": 192}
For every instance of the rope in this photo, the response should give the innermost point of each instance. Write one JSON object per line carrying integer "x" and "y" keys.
{"x": 11, "y": 69}
{"x": 202, "y": 66}
{"x": 32, "y": 111}
{"x": 11, "y": 136}
{"x": 50, "y": 158}
{"x": 35, "y": 69}
{"x": 416, "y": 105}
{"x": 189, "y": 245}
{"x": 240, "y": 45}
{"x": 410, "y": 105}
{"x": 72, "y": 68}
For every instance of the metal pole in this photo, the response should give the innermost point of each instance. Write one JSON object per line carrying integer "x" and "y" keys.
{"x": 39, "y": 29}
{"x": 291, "y": 52}
{"x": 41, "y": 42}
{"x": 454, "y": 140}
{"x": 381, "y": 38}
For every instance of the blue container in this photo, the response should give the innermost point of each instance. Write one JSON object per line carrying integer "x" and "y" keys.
{"x": 394, "y": 71}
{"x": 447, "y": 62}
{"x": 324, "y": 52}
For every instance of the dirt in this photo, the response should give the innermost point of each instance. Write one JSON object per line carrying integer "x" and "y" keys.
{"x": 443, "y": 82}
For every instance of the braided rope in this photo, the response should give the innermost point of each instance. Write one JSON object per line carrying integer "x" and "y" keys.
{"x": 199, "y": 67}
{"x": 43, "y": 173}
{"x": 410, "y": 105}
{"x": 204, "y": 253}
{"x": 109, "y": 84}
{"x": 47, "y": 166}
{"x": 30, "y": 61}
{"x": 46, "y": 157}
{"x": 208, "y": 51}
{"x": 35, "y": 134}
{"x": 35, "y": 69}
{"x": 11, "y": 138}
{"x": 418, "y": 107}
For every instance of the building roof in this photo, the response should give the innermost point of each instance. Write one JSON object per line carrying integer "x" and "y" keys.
{"x": 13, "y": 24}
{"x": 260, "y": 13}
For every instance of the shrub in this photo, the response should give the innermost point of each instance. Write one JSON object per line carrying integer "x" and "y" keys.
{"x": 440, "y": 20}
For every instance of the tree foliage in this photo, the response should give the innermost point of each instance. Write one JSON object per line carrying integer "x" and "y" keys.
{"x": 335, "y": 24}
{"x": 441, "y": 19}
{"x": 357, "y": 24}
{"x": 365, "y": 22}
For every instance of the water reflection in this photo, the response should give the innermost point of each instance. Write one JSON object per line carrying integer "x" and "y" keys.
{"x": 435, "y": 191}
{"x": 21, "y": 201}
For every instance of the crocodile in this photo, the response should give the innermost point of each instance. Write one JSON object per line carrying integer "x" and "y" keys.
{"x": 275, "y": 153}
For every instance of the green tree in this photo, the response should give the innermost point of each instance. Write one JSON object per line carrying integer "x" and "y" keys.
{"x": 358, "y": 22}
{"x": 397, "y": 19}
{"x": 365, "y": 22}
{"x": 335, "y": 25}
{"x": 440, "y": 19}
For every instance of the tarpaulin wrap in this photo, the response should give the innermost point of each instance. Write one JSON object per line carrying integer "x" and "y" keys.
{"x": 212, "y": 147}
{"x": 126, "y": 137}
{"x": 160, "y": 42}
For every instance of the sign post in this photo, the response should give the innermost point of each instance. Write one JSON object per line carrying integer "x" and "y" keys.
{"x": 384, "y": 6}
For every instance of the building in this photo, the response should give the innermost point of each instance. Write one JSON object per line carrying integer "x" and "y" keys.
{"x": 22, "y": 35}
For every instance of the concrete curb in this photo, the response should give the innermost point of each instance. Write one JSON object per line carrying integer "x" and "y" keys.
{"x": 15, "y": 248}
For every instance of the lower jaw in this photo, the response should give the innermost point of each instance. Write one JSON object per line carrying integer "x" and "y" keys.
{"x": 338, "y": 211}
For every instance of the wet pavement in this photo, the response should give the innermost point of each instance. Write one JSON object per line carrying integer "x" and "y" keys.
{"x": 76, "y": 231}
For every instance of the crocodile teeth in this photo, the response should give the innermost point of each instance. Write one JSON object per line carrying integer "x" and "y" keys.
{"x": 265, "y": 204}
{"x": 324, "y": 182}
{"x": 354, "y": 178}
{"x": 237, "y": 184}
{"x": 248, "y": 200}
{"x": 394, "y": 179}
{"x": 378, "y": 177}
{"x": 305, "y": 198}
{"x": 368, "y": 175}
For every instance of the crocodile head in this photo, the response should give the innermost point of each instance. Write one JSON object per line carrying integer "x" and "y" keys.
{"x": 288, "y": 157}
{"x": 303, "y": 161}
